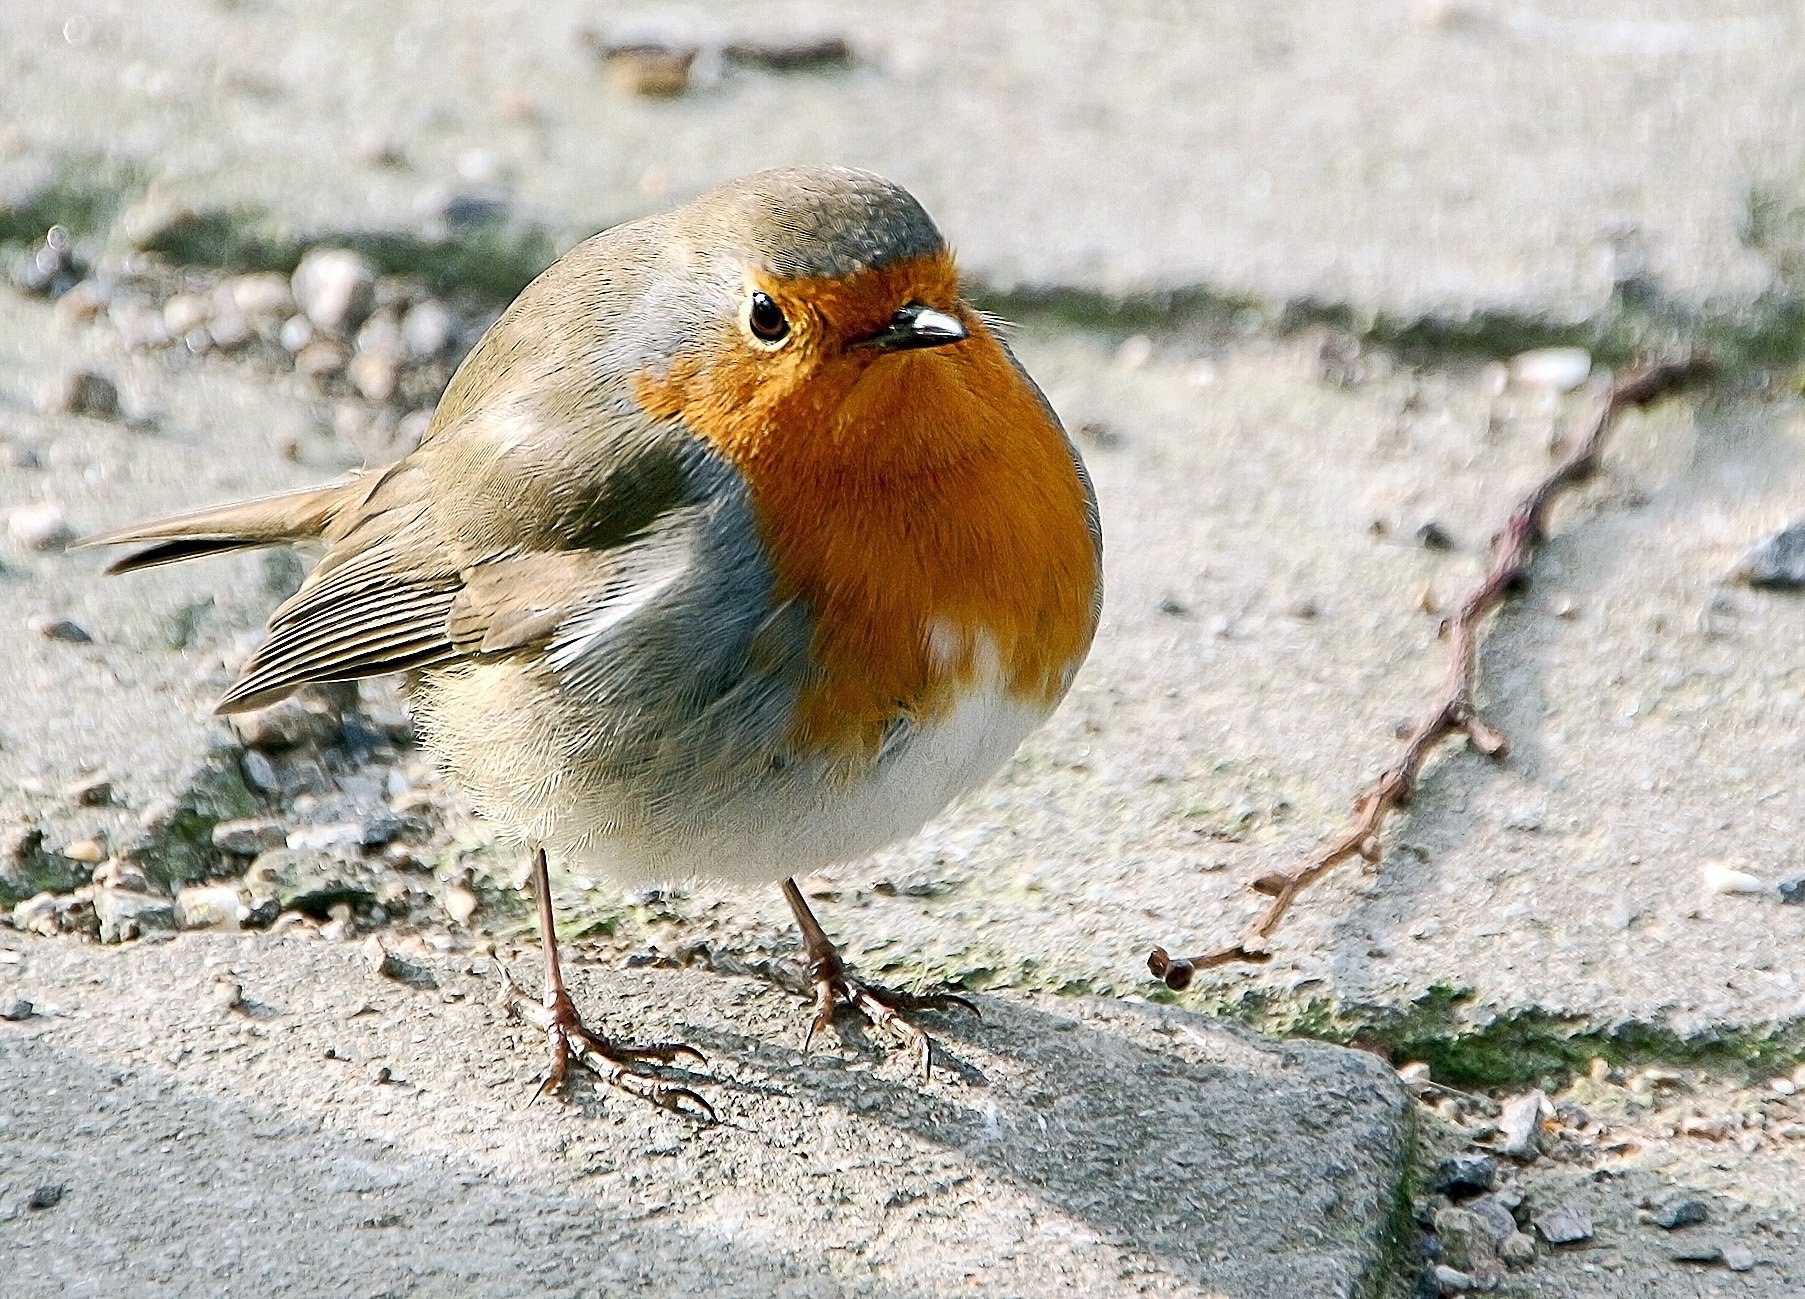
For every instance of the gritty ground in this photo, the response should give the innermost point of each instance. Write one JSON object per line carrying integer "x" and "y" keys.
{"x": 1603, "y": 917}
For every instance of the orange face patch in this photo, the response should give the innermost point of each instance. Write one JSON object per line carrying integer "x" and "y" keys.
{"x": 916, "y": 501}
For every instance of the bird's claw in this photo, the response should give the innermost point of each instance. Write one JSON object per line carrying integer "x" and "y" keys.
{"x": 615, "y": 1063}
{"x": 881, "y": 1007}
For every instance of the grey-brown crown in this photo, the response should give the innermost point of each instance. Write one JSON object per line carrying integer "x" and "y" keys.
{"x": 805, "y": 222}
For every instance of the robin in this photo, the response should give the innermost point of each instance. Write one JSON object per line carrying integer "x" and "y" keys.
{"x": 739, "y": 546}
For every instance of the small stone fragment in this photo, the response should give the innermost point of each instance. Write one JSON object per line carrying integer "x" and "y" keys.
{"x": 90, "y": 791}
{"x": 1493, "y": 1214}
{"x": 1697, "y": 1251}
{"x": 1466, "y": 1240}
{"x": 1564, "y": 1224}
{"x": 337, "y": 837}
{"x": 83, "y": 392}
{"x": 1778, "y": 563}
{"x": 426, "y": 329}
{"x": 226, "y": 994}
{"x": 47, "y": 1196}
{"x": 1556, "y": 369}
{"x": 460, "y": 903}
{"x": 15, "y": 1009}
{"x": 125, "y": 915}
{"x": 42, "y": 526}
{"x": 1721, "y": 877}
{"x": 287, "y": 724}
{"x": 249, "y": 836}
{"x": 210, "y": 906}
{"x": 1415, "y": 1077}
{"x": 263, "y": 296}
{"x": 1782, "y": 1086}
{"x": 1462, "y": 1176}
{"x": 334, "y": 288}
{"x": 185, "y": 312}
{"x": 66, "y": 630}
{"x": 653, "y": 69}
{"x": 1519, "y": 1123}
{"x": 1432, "y": 536}
{"x": 1451, "y": 1280}
{"x": 792, "y": 55}
{"x": 1680, "y": 1213}
{"x": 1792, "y": 890}
{"x": 1738, "y": 1258}
{"x": 1518, "y": 1249}
{"x": 90, "y": 852}
{"x": 380, "y": 961}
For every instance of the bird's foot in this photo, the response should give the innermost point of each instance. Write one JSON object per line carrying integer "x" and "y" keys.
{"x": 618, "y": 1064}
{"x": 884, "y": 1008}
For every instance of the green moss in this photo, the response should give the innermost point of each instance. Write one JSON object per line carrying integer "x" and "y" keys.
{"x": 177, "y": 847}
{"x": 83, "y": 196}
{"x": 1465, "y": 1048}
{"x": 223, "y": 240}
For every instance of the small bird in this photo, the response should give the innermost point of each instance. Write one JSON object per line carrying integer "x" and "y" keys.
{"x": 739, "y": 546}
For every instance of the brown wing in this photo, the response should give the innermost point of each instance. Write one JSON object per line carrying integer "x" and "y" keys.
{"x": 482, "y": 542}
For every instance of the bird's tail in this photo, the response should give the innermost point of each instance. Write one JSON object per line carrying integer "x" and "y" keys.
{"x": 266, "y": 521}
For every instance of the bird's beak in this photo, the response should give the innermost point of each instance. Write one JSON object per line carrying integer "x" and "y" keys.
{"x": 917, "y": 326}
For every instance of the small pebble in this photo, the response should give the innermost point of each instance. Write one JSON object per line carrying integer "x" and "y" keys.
{"x": 1134, "y": 352}
{"x": 1696, "y": 1251}
{"x": 184, "y": 313}
{"x": 380, "y": 961}
{"x": 1519, "y": 1123}
{"x": 1565, "y": 1224}
{"x": 249, "y": 836}
{"x": 15, "y": 1009}
{"x": 1782, "y": 1086}
{"x": 262, "y": 296}
{"x": 651, "y": 70}
{"x": 83, "y": 392}
{"x": 66, "y": 630}
{"x": 426, "y": 330}
{"x": 1518, "y": 1249}
{"x": 1556, "y": 369}
{"x": 1792, "y": 890}
{"x": 42, "y": 526}
{"x": 1461, "y": 1176}
{"x": 1721, "y": 877}
{"x": 1738, "y": 1258}
{"x": 334, "y": 288}
{"x": 90, "y": 791}
{"x": 47, "y": 1196}
{"x": 1415, "y": 1077}
{"x": 1777, "y": 563}
{"x": 1451, "y": 1280}
{"x": 1432, "y": 536}
{"x": 1680, "y": 1213}
{"x": 460, "y": 903}
{"x": 226, "y": 994}
{"x": 88, "y": 851}
{"x": 790, "y": 55}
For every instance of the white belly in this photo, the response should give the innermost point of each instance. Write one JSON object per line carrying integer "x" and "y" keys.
{"x": 813, "y": 819}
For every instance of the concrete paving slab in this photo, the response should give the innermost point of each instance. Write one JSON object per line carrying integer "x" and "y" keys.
{"x": 1070, "y": 1146}
{"x": 1405, "y": 158}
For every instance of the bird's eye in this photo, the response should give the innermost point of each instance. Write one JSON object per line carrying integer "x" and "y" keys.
{"x": 765, "y": 319}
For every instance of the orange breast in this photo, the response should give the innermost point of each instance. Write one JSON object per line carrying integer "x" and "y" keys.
{"x": 921, "y": 503}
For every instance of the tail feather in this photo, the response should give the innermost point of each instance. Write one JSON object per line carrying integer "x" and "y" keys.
{"x": 266, "y": 521}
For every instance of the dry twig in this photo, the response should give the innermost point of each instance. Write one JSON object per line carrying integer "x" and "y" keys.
{"x": 1453, "y": 711}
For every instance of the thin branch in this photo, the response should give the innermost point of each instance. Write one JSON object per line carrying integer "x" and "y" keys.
{"x": 1453, "y": 712}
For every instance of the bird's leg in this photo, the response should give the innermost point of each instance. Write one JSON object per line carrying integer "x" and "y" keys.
{"x": 615, "y": 1063}
{"x": 884, "y": 1007}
